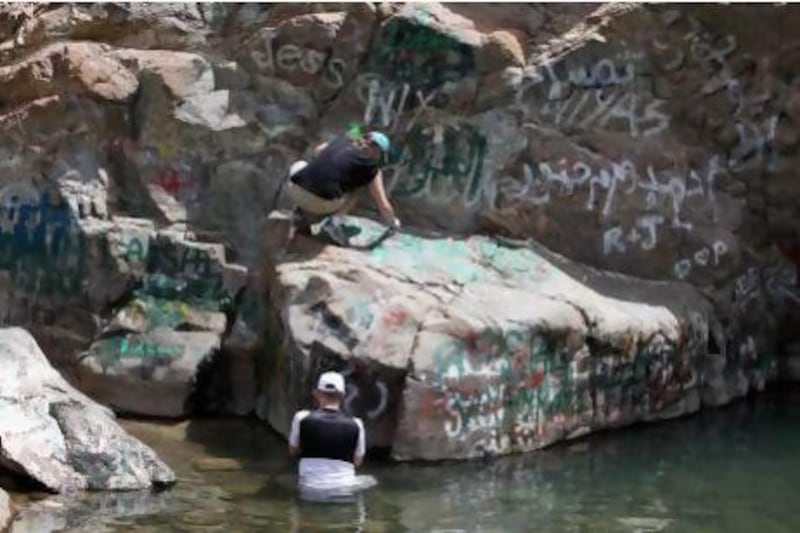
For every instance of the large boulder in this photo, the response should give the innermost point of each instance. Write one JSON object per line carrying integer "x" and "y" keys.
{"x": 55, "y": 435}
{"x": 462, "y": 347}
{"x": 151, "y": 374}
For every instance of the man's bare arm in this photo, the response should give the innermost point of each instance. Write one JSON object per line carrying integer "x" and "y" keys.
{"x": 378, "y": 192}
{"x": 320, "y": 148}
{"x": 294, "y": 435}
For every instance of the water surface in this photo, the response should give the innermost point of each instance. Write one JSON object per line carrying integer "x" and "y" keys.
{"x": 736, "y": 469}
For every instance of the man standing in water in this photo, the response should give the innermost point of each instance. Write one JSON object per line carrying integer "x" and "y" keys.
{"x": 330, "y": 444}
{"x": 327, "y": 185}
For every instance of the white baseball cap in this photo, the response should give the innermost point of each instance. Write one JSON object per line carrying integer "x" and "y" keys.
{"x": 331, "y": 382}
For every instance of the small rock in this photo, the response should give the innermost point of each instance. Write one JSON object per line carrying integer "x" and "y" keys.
{"x": 220, "y": 464}
{"x": 644, "y": 524}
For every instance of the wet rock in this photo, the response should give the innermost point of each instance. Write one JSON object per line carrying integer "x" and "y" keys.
{"x": 60, "y": 438}
{"x": 460, "y": 348}
{"x": 217, "y": 464}
{"x": 93, "y": 512}
{"x": 641, "y": 523}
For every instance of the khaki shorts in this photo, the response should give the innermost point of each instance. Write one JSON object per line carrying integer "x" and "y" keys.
{"x": 310, "y": 202}
{"x": 315, "y": 205}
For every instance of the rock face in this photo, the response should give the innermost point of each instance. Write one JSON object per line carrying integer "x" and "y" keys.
{"x": 55, "y": 435}
{"x": 465, "y": 347}
{"x": 143, "y": 147}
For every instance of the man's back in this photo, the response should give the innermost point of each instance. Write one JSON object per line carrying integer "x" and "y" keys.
{"x": 328, "y": 434}
{"x": 339, "y": 169}
{"x": 329, "y": 441}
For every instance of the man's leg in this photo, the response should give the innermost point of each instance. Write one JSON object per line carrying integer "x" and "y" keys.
{"x": 332, "y": 227}
{"x": 300, "y": 221}
{"x": 316, "y": 216}
{"x": 349, "y": 204}
{"x": 304, "y": 211}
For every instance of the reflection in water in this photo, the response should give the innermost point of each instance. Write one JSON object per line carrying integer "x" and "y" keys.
{"x": 88, "y": 511}
{"x": 730, "y": 470}
{"x": 348, "y": 514}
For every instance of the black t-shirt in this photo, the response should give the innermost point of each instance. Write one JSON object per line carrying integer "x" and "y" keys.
{"x": 339, "y": 169}
{"x": 328, "y": 434}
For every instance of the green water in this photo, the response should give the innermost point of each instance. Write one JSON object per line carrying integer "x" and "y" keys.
{"x": 736, "y": 469}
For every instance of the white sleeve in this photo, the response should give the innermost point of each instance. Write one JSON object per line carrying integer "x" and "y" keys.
{"x": 294, "y": 433}
{"x": 361, "y": 446}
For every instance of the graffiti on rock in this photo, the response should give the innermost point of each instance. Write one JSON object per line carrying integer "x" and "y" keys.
{"x": 441, "y": 164}
{"x": 665, "y": 190}
{"x": 420, "y": 56}
{"x": 590, "y": 96}
{"x": 593, "y": 109}
{"x": 160, "y": 312}
{"x": 782, "y": 285}
{"x": 175, "y": 182}
{"x": 41, "y": 245}
{"x": 754, "y": 113}
{"x": 364, "y": 392}
{"x": 125, "y": 348}
{"x": 706, "y": 256}
{"x": 509, "y": 383}
{"x": 643, "y": 233}
{"x": 778, "y": 283}
{"x": 290, "y": 58}
{"x": 177, "y": 177}
{"x": 174, "y": 272}
{"x": 385, "y": 102}
{"x": 514, "y": 387}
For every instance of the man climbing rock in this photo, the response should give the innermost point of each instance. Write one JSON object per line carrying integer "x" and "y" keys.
{"x": 327, "y": 185}
{"x": 330, "y": 444}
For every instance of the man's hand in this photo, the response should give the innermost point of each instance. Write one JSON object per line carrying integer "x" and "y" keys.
{"x": 378, "y": 193}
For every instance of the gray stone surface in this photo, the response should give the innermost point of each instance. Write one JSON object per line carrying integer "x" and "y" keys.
{"x": 57, "y": 436}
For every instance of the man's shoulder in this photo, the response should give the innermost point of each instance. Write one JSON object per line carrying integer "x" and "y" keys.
{"x": 299, "y": 415}
{"x": 339, "y": 143}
